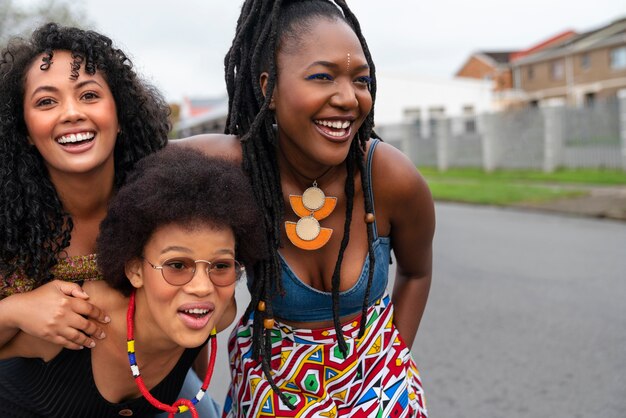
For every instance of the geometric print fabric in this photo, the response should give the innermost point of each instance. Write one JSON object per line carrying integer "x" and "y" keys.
{"x": 377, "y": 378}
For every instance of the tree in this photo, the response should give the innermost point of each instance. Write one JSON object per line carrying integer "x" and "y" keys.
{"x": 18, "y": 20}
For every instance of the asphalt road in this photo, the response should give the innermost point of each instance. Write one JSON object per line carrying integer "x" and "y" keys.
{"x": 527, "y": 317}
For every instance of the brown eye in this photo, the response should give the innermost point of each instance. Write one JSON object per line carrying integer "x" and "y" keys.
{"x": 223, "y": 266}
{"x": 178, "y": 265}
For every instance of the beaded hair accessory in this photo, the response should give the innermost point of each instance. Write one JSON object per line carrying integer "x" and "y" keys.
{"x": 182, "y": 404}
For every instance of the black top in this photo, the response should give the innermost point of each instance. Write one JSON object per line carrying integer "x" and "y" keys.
{"x": 65, "y": 388}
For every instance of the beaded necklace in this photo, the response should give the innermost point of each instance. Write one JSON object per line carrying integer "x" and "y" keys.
{"x": 182, "y": 404}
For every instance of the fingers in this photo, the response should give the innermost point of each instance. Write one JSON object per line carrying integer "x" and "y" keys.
{"x": 71, "y": 289}
{"x": 80, "y": 332}
{"x": 90, "y": 310}
{"x": 70, "y": 320}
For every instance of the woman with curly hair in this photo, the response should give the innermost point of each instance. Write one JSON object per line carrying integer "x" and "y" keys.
{"x": 173, "y": 244}
{"x": 74, "y": 120}
{"x": 322, "y": 337}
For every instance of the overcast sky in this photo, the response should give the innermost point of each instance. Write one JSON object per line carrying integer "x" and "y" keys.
{"x": 180, "y": 45}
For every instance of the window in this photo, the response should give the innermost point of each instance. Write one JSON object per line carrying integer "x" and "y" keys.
{"x": 618, "y": 58}
{"x": 531, "y": 72}
{"x": 585, "y": 61}
{"x": 435, "y": 115}
{"x": 557, "y": 70}
{"x": 590, "y": 99}
{"x": 413, "y": 115}
{"x": 469, "y": 119}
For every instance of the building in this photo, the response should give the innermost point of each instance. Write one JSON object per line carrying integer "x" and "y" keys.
{"x": 578, "y": 71}
{"x": 496, "y": 66}
{"x": 199, "y": 116}
{"x": 489, "y": 65}
{"x": 421, "y": 101}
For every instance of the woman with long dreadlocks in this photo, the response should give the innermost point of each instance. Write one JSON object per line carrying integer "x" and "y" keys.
{"x": 321, "y": 337}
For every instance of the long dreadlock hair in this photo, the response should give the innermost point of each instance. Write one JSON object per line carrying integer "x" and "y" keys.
{"x": 261, "y": 29}
{"x": 34, "y": 227}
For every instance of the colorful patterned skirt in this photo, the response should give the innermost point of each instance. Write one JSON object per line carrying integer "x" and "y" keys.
{"x": 377, "y": 378}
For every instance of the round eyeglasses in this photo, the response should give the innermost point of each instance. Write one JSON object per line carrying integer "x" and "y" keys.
{"x": 180, "y": 270}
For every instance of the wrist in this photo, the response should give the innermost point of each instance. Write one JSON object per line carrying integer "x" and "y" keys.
{"x": 10, "y": 314}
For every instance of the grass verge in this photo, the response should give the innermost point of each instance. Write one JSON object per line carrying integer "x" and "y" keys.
{"x": 577, "y": 176}
{"x": 501, "y": 194}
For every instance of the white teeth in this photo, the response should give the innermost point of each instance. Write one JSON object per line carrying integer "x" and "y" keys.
{"x": 335, "y": 124}
{"x": 81, "y": 136}
{"x": 196, "y": 311}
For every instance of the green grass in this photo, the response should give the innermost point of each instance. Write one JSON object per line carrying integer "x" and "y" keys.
{"x": 506, "y": 187}
{"x": 493, "y": 193}
{"x": 578, "y": 176}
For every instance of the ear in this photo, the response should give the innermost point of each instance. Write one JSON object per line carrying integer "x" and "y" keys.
{"x": 30, "y": 141}
{"x": 134, "y": 272}
{"x": 263, "y": 80}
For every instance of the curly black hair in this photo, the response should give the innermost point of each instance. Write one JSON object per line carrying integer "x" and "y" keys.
{"x": 184, "y": 187}
{"x": 34, "y": 227}
{"x": 265, "y": 27}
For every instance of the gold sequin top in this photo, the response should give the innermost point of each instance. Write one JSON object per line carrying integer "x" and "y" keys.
{"x": 71, "y": 269}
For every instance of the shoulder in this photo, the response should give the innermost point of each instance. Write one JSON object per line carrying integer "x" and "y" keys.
{"x": 400, "y": 187}
{"x": 396, "y": 173}
{"x": 214, "y": 145}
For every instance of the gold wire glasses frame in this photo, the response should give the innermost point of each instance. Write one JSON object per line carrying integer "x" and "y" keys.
{"x": 181, "y": 270}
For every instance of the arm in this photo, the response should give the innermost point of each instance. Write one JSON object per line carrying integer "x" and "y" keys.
{"x": 28, "y": 346}
{"x": 213, "y": 145}
{"x": 57, "y": 312}
{"x": 408, "y": 204}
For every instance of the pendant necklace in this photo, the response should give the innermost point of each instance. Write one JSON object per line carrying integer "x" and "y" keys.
{"x": 182, "y": 404}
{"x": 312, "y": 206}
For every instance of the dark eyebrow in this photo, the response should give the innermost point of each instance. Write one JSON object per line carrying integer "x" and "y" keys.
{"x": 187, "y": 250}
{"x": 44, "y": 88}
{"x": 175, "y": 248}
{"x": 53, "y": 89}
{"x": 333, "y": 65}
{"x": 85, "y": 82}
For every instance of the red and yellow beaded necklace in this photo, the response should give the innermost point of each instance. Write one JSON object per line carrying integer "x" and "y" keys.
{"x": 182, "y": 404}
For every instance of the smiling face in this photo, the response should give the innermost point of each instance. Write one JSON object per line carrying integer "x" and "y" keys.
{"x": 322, "y": 95}
{"x": 184, "y": 315}
{"x": 72, "y": 123}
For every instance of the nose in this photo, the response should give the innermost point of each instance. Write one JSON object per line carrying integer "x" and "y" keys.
{"x": 72, "y": 112}
{"x": 345, "y": 96}
{"x": 200, "y": 284}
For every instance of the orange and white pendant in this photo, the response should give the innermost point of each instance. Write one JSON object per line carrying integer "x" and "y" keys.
{"x": 311, "y": 207}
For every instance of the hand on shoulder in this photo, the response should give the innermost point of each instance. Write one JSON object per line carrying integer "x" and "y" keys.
{"x": 57, "y": 312}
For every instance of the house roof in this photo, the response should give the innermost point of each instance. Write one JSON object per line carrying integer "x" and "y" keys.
{"x": 192, "y": 107}
{"x": 612, "y": 34}
{"x": 500, "y": 57}
{"x": 551, "y": 41}
{"x": 495, "y": 59}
